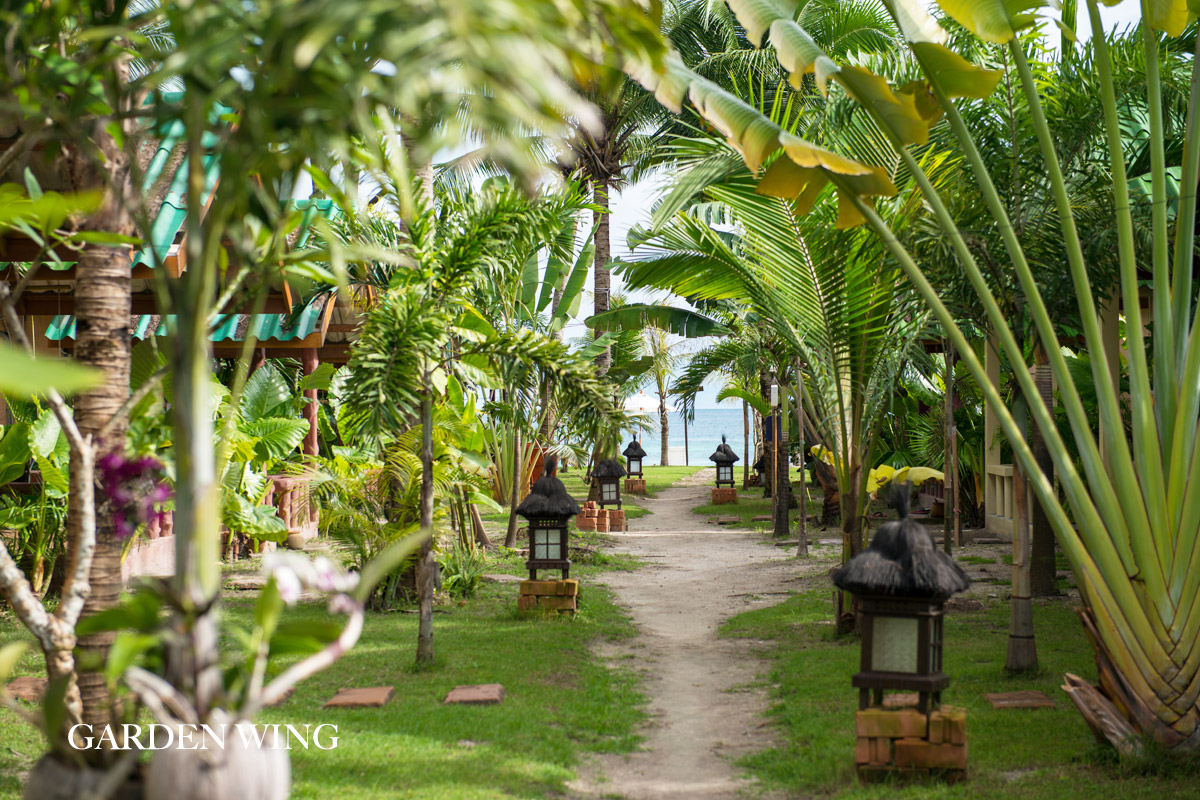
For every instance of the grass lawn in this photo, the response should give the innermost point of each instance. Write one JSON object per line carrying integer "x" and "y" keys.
{"x": 562, "y": 701}
{"x": 1015, "y": 753}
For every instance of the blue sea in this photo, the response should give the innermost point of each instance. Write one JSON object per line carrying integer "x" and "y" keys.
{"x": 704, "y": 434}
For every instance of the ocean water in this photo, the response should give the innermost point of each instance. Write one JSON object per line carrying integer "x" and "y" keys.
{"x": 704, "y": 434}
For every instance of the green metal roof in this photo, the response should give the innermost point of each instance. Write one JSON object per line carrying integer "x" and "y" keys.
{"x": 267, "y": 327}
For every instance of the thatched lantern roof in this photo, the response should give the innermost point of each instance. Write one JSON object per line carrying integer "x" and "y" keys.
{"x": 634, "y": 450}
{"x": 724, "y": 454}
{"x": 608, "y": 468}
{"x": 902, "y": 561}
{"x": 548, "y": 497}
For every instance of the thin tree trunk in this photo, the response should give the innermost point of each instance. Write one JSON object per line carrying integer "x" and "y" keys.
{"x": 802, "y": 535}
{"x": 949, "y": 464}
{"x": 782, "y": 489}
{"x": 665, "y": 459}
{"x": 603, "y": 280}
{"x": 426, "y": 567}
{"x": 1042, "y": 572}
{"x": 1022, "y": 648}
{"x": 768, "y": 439}
{"x": 514, "y": 498}
{"x": 686, "y": 463}
{"x": 745, "y": 445}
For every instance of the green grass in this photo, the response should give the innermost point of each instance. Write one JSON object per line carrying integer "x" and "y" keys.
{"x": 978, "y": 559}
{"x": 562, "y": 701}
{"x": 1014, "y": 753}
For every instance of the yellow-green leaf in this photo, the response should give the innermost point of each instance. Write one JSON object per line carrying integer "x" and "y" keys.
{"x": 10, "y": 654}
{"x": 992, "y": 20}
{"x": 956, "y": 76}
{"x": 916, "y": 23}
{"x": 756, "y": 16}
{"x": 1171, "y": 16}
{"x": 817, "y": 166}
{"x": 752, "y": 134}
{"x": 898, "y": 112}
{"x": 669, "y": 83}
{"x": 800, "y": 55}
{"x": 25, "y": 376}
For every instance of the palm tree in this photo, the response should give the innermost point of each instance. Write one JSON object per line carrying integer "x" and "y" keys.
{"x": 664, "y": 356}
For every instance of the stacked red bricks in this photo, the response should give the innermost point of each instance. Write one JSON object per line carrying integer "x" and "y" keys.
{"x": 907, "y": 742}
{"x": 722, "y": 495}
{"x": 635, "y": 485}
{"x": 604, "y": 520}
{"x": 558, "y": 597}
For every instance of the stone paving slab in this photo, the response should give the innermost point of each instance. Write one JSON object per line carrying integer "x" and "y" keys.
{"x": 370, "y": 697}
{"x": 485, "y": 694}
{"x": 28, "y": 688}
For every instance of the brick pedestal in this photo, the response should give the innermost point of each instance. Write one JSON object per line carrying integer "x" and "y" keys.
{"x": 635, "y": 486}
{"x": 907, "y": 742}
{"x": 723, "y": 495}
{"x": 555, "y": 597}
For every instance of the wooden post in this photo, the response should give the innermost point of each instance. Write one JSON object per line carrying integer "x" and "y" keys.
{"x": 802, "y": 535}
{"x": 309, "y": 364}
{"x": 745, "y": 445}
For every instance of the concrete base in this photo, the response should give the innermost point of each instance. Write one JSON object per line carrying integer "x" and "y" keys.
{"x": 150, "y": 557}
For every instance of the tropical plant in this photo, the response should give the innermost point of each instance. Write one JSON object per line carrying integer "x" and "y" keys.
{"x": 1133, "y": 530}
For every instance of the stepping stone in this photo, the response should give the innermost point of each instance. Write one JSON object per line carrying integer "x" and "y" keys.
{"x": 484, "y": 694}
{"x": 1023, "y": 699}
{"x": 28, "y": 688}
{"x": 729, "y": 520}
{"x": 371, "y": 697}
{"x": 788, "y": 543}
{"x": 501, "y": 578}
{"x": 987, "y": 540}
{"x": 762, "y": 518}
{"x": 246, "y": 583}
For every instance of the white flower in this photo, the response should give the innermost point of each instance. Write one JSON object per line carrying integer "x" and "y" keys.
{"x": 295, "y": 573}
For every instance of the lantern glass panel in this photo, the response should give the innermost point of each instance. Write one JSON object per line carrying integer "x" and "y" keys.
{"x": 547, "y": 544}
{"x": 724, "y": 472}
{"x": 894, "y": 644}
{"x": 635, "y": 465}
{"x": 608, "y": 491}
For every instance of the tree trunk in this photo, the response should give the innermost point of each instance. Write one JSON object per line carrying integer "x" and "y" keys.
{"x": 514, "y": 497}
{"x": 426, "y": 566}
{"x": 603, "y": 280}
{"x": 1022, "y": 649}
{"x": 665, "y": 459}
{"x": 1042, "y": 572}
{"x": 102, "y": 308}
{"x": 746, "y": 458}
{"x": 950, "y": 463}
{"x": 782, "y": 488}
{"x": 686, "y": 462}
{"x": 802, "y": 535}
{"x": 768, "y": 439}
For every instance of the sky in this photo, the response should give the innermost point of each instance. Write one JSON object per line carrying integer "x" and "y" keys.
{"x": 634, "y": 204}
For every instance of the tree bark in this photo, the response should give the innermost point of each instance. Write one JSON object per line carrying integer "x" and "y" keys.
{"x": 746, "y": 458}
{"x": 1022, "y": 648}
{"x": 802, "y": 534}
{"x": 426, "y": 566}
{"x": 1042, "y": 573}
{"x": 102, "y": 310}
{"x": 665, "y": 458}
{"x": 603, "y": 280}
{"x": 782, "y": 489}
{"x": 950, "y": 462}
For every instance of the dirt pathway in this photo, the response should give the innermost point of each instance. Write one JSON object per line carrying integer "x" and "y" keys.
{"x": 706, "y": 694}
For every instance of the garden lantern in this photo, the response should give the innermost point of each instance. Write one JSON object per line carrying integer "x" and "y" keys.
{"x": 633, "y": 458}
{"x": 724, "y": 457}
{"x": 548, "y": 510}
{"x": 902, "y": 581}
{"x": 608, "y": 474}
